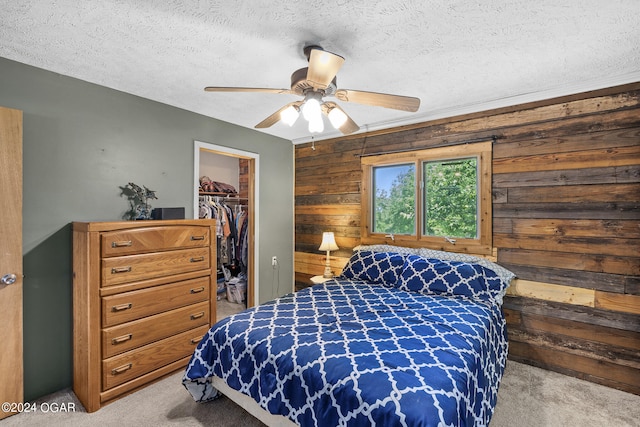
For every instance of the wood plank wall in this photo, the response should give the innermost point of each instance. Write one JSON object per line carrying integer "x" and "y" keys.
{"x": 243, "y": 188}
{"x": 566, "y": 220}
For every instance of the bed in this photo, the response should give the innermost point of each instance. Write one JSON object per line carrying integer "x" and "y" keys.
{"x": 406, "y": 337}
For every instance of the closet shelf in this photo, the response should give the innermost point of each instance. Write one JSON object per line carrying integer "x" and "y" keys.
{"x": 222, "y": 195}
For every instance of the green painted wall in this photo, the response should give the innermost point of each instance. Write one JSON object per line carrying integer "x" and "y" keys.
{"x": 81, "y": 142}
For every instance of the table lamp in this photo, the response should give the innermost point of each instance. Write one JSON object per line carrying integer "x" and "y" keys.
{"x": 328, "y": 244}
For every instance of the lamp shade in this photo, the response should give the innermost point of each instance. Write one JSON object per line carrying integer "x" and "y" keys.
{"x": 328, "y": 242}
{"x": 337, "y": 117}
{"x": 316, "y": 125}
{"x": 311, "y": 109}
{"x": 289, "y": 115}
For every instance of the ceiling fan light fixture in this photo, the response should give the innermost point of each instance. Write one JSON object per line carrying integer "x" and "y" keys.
{"x": 337, "y": 117}
{"x": 316, "y": 124}
{"x": 289, "y": 115}
{"x": 325, "y": 57}
{"x": 316, "y": 81}
{"x": 311, "y": 109}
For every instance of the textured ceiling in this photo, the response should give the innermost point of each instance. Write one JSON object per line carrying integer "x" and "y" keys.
{"x": 456, "y": 56}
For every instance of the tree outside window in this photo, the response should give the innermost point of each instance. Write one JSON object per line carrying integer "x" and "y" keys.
{"x": 451, "y": 198}
{"x": 394, "y": 205}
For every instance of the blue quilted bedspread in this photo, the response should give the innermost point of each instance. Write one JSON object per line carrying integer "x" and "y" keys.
{"x": 351, "y": 353}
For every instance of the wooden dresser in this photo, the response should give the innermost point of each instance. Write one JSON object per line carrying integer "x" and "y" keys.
{"x": 144, "y": 294}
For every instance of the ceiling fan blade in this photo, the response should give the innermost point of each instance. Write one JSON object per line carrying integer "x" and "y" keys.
{"x": 349, "y": 126}
{"x": 246, "y": 89}
{"x": 275, "y": 117}
{"x": 397, "y": 102}
{"x": 323, "y": 67}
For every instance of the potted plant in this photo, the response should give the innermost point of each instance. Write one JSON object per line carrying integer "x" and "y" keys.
{"x": 139, "y": 207}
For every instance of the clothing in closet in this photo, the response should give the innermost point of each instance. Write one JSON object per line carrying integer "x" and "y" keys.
{"x": 231, "y": 229}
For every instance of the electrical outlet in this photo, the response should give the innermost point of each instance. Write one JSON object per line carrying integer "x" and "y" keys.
{"x": 274, "y": 261}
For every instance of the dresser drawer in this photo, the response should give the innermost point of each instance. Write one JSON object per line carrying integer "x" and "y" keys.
{"x": 120, "y": 369}
{"x": 130, "y": 335}
{"x": 153, "y": 239}
{"x": 134, "y": 305}
{"x": 132, "y": 268}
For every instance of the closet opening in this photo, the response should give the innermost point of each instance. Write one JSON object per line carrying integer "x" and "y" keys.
{"x": 225, "y": 188}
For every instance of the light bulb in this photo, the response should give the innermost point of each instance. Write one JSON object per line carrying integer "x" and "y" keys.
{"x": 289, "y": 115}
{"x": 324, "y": 58}
{"x": 337, "y": 117}
{"x": 311, "y": 109}
{"x": 316, "y": 125}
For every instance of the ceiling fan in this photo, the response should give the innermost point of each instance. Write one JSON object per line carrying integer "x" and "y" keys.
{"x": 314, "y": 83}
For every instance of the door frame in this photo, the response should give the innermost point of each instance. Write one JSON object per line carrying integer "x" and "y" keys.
{"x": 254, "y": 208}
{"x": 11, "y": 261}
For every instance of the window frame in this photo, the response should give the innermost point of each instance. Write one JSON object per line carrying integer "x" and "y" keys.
{"x": 482, "y": 245}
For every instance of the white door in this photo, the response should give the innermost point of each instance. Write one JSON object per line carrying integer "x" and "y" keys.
{"x": 11, "y": 369}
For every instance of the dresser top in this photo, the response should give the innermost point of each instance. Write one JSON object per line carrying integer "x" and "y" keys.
{"x": 123, "y": 225}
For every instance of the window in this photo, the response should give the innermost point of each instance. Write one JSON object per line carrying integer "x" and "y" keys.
{"x": 450, "y": 195}
{"x": 438, "y": 198}
{"x": 394, "y": 199}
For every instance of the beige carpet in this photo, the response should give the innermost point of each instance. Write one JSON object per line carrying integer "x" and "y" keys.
{"x": 225, "y": 308}
{"x": 528, "y": 397}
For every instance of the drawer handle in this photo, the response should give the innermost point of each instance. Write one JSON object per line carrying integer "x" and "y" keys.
{"x": 196, "y": 340}
{"x": 121, "y": 369}
{"x": 198, "y": 259}
{"x": 121, "y": 244}
{"x": 197, "y": 237}
{"x": 197, "y": 315}
{"x": 121, "y": 307}
{"x": 123, "y": 338}
{"x": 116, "y": 270}
{"x": 197, "y": 290}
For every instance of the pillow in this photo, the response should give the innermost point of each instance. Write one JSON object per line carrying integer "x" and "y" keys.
{"x": 497, "y": 286}
{"x": 444, "y": 277}
{"x": 388, "y": 248}
{"x": 494, "y": 283}
{"x": 502, "y": 273}
{"x": 375, "y": 267}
